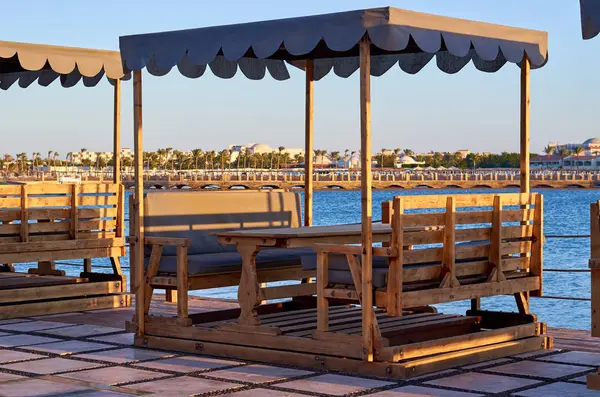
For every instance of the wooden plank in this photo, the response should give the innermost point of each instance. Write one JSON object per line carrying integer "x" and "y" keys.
{"x": 516, "y": 247}
{"x": 138, "y": 201}
{"x": 84, "y": 235}
{"x": 386, "y": 212}
{"x": 366, "y": 198}
{"x": 64, "y": 306}
{"x": 24, "y": 215}
{"x": 117, "y": 133}
{"x": 496, "y": 242}
{"x": 99, "y": 188}
{"x": 94, "y": 213}
{"x": 120, "y": 227}
{"x": 10, "y": 228}
{"x": 153, "y": 265}
{"x": 415, "y": 220}
{"x": 512, "y": 232}
{"x": 288, "y": 291}
{"x": 425, "y": 237}
{"x": 457, "y": 343}
{"x": 249, "y": 329}
{"x": 67, "y": 245}
{"x": 49, "y": 213}
{"x": 10, "y": 190}
{"x": 466, "y": 200}
{"x": 396, "y": 268}
{"x": 58, "y": 291}
{"x": 43, "y": 256}
{"x": 10, "y": 202}
{"x": 525, "y": 182}
{"x": 522, "y": 299}
{"x": 48, "y": 188}
{"x": 520, "y": 215}
{"x": 98, "y": 225}
{"x": 98, "y": 200}
{"x": 49, "y": 227}
{"x": 9, "y": 215}
{"x": 427, "y": 255}
{"x": 308, "y": 143}
{"x": 595, "y": 276}
{"x": 49, "y": 201}
{"x": 536, "y": 263}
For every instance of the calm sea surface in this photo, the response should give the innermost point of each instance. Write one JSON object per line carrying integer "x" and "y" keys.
{"x": 565, "y": 212}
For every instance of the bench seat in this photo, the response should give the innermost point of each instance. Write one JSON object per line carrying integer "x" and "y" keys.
{"x": 222, "y": 262}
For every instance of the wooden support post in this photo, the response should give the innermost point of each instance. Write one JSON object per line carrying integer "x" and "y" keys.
{"x": 153, "y": 264}
{"x": 522, "y": 299}
{"x": 536, "y": 266}
{"x": 138, "y": 200}
{"x": 366, "y": 199}
{"x": 117, "y": 133}
{"x": 24, "y": 215}
{"x": 249, "y": 290}
{"x": 322, "y": 281}
{"x": 120, "y": 226}
{"x": 308, "y": 144}
{"x": 132, "y": 249}
{"x": 74, "y": 211}
{"x": 386, "y": 212}
{"x": 87, "y": 265}
{"x": 449, "y": 249}
{"x": 170, "y": 296}
{"x": 525, "y": 122}
{"x": 355, "y": 270}
{"x": 495, "y": 256}
{"x": 396, "y": 272}
{"x": 182, "y": 287}
{"x": 595, "y": 266}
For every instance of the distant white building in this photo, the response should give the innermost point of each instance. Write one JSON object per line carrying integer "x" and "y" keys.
{"x": 407, "y": 161}
{"x": 590, "y": 146}
{"x": 350, "y": 161}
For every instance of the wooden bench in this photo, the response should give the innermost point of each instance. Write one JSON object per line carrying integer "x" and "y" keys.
{"x": 182, "y": 252}
{"x": 47, "y": 222}
{"x": 478, "y": 246}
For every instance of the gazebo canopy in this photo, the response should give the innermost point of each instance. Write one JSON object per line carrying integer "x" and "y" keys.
{"x": 407, "y": 38}
{"x": 26, "y": 63}
{"x": 590, "y": 18}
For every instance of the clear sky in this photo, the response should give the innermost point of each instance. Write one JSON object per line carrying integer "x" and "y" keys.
{"x": 428, "y": 111}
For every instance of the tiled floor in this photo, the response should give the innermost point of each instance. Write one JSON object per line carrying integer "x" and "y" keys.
{"x": 53, "y": 357}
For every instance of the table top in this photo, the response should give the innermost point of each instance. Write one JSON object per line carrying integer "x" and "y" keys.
{"x": 312, "y": 231}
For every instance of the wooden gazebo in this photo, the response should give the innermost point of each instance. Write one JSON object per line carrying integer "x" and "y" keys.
{"x": 372, "y": 42}
{"x": 47, "y": 222}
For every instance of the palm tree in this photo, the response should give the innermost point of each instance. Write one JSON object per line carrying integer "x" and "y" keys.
{"x": 408, "y": 152}
{"x": 196, "y": 153}
{"x": 382, "y": 150}
{"x": 21, "y": 158}
{"x": 564, "y": 152}
{"x": 578, "y": 150}
{"x": 548, "y": 150}
{"x": 55, "y": 156}
{"x": 334, "y": 156}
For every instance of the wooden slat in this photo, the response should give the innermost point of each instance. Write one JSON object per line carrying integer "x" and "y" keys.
{"x": 98, "y": 225}
{"x": 426, "y": 237}
{"x": 48, "y": 188}
{"x": 49, "y": 201}
{"x": 24, "y": 215}
{"x": 466, "y": 200}
{"x": 411, "y": 257}
{"x": 95, "y": 235}
{"x": 49, "y": 213}
{"x": 49, "y": 227}
{"x": 91, "y": 188}
{"x": 322, "y": 281}
{"x": 74, "y": 224}
{"x": 10, "y": 215}
{"x": 510, "y": 232}
{"x": 98, "y": 200}
{"x": 10, "y": 202}
{"x": 472, "y": 251}
{"x": 73, "y": 288}
{"x": 49, "y": 237}
{"x": 308, "y": 141}
{"x": 43, "y": 256}
{"x": 396, "y": 272}
{"x": 474, "y": 234}
{"x": 9, "y": 240}
{"x": 515, "y": 247}
{"x": 537, "y": 248}
{"x": 521, "y": 215}
{"x": 67, "y": 245}
{"x": 94, "y": 213}
{"x": 10, "y": 190}
{"x": 448, "y": 251}
{"x": 8, "y": 229}
{"x": 415, "y": 220}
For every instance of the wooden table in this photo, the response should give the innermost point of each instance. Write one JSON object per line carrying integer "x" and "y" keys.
{"x": 249, "y": 242}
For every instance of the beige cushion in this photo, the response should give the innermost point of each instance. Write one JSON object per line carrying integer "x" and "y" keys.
{"x": 195, "y": 215}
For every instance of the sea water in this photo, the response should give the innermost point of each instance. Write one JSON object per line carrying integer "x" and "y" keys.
{"x": 566, "y": 212}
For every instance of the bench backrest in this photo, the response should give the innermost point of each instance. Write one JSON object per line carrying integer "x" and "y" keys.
{"x": 52, "y": 212}
{"x": 471, "y": 230}
{"x": 196, "y": 215}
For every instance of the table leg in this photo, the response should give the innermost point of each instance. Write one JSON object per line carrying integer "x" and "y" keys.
{"x": 249, "y": 290}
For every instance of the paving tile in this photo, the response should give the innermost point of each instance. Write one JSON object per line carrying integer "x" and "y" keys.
{"x": 420, "y": 391}
{"x": 24, "y": 340}
{"x": 263, "y": 393}
{"x": 488, "y": 363}
{"x": 435, "y": 374}
{"x": 50, "y": 366}
{"x": 125, "y": 355}
{"x": 120, "y": 339}
{"x": 536, "y": 353}
{"x": 113, "y": 375}
{"x": 39, "y": 387}
{"x": 6, "y": 377}
{"x": 184, "y": 386}
{"x": 5, "y": 334}
{"x": 580, "y": 379}
{"x": 539, "y": 369}
{"x": 30, "y": 326}
{"x": 80, "y": 331}
{"x": 69, "y": 347}
{"x": 258, "y": 373}
{"x": 334, "y": 384}
{"x": 559, "y": 389}
{"x": 9, "y": 356}
{"x": 13, "y": 321}
{"x": 188, "y": 364}
{"x": 483, "y": 382}
{"x": 99, "y": 393}
{"x": 583, "y": 358}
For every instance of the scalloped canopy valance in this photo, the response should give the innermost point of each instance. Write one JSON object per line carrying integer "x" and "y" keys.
{"x": 25, "y": 63}
{"x": 406, "y": 38}
{"x": 590, "y": 18}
